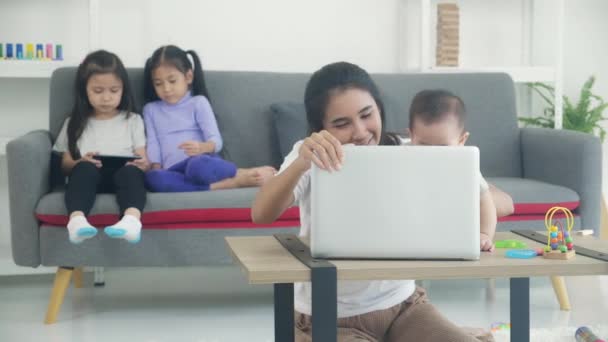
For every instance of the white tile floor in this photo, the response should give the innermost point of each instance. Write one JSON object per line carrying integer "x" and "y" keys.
{"x": 216, "y": 304}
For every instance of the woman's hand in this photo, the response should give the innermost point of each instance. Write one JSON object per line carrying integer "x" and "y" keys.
{"x": 89, "y": 158}
{"x": 322, "y": 149}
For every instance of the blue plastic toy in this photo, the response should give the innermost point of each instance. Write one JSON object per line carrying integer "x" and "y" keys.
{"x": 521, "y": 253}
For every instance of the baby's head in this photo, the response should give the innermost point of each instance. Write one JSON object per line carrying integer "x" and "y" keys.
{"x": 437, "y": 118}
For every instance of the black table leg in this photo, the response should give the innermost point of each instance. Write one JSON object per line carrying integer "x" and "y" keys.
{"x": 520, "y": 309}
{"x": 323, "y": 277}
{"x": 324, "y": 304}
{"x": 283, "y": 313}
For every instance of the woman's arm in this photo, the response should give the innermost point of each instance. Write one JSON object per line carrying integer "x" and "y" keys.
{"x": 502, "y": 201}
{"x": 277, "y": 194}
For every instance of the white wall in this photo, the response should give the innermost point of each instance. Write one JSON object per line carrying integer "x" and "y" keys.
{"x": 274, "y": 35}
{"x": 289, "y": 35}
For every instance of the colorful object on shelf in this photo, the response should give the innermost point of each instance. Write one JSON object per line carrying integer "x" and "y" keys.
{"x": 49, "y": 51}
{"x": 19, "y": 52}
{"x": 510, "y": 244}
{"x": 497, "y": 326}
{"x": 34, "y": 52}
{"x": 520, "y": 253}
{"x": 58, "y": 52}
{"x": 9, "y": 50}
{"x": 560, "y": 244}
{"x": 29, "y": 51}
{"x": 584, "y": 334}
{"x": 539, "y": 251}
{"x": 39, "y": 51}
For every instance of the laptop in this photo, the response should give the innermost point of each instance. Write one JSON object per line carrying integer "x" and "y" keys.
{"x": 398, "y": 202}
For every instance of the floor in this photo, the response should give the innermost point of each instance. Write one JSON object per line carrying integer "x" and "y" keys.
{"x": 216, "y": 305}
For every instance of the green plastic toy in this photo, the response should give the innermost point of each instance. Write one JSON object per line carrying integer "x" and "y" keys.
{"x": 510, "y": 244}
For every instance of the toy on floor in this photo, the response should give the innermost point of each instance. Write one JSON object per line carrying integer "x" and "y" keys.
{"x": 584, "y": 334}
{"x": 498, "y": 326}
{"x": 559, "y": 241}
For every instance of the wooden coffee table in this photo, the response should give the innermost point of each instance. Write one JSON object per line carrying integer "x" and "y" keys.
{"x": 265, "y": 260}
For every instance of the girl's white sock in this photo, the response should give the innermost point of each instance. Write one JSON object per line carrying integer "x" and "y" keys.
{"x": 80, "y": 229}
{"x": 128, "y": 228}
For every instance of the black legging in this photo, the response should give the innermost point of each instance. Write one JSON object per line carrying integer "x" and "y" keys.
{"x": 86, "y": 180}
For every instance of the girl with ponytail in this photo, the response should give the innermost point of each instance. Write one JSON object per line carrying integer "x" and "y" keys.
{"x": 183, "y": 136}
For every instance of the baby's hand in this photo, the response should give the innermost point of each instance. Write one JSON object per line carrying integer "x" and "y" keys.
{"x": 89, "y": 158}
{"x": 192, "y": 148}
{"x": 485, "y": 243}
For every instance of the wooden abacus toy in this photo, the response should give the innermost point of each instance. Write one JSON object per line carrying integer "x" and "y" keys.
{"x": 559, "y": 241}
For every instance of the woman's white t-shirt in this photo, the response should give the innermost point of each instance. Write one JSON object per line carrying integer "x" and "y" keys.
{"x": 354, "y": 297}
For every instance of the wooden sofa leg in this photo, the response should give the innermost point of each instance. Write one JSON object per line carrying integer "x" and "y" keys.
{"x": 77, "y": 277}
{"x": 604, "y": 220}
{"x": 559, "y": 286}
{"x": 62, "y": 281}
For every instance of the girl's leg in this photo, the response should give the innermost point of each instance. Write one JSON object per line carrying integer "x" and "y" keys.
{"x": 255, "y": 176}
{"x": 131, "y": 197}
{"x": 222, "y": 174}
{"x": 170, "y": 181}
{"x": 420, "y": 321}
{"x": 208, "y": 169}
{"x": 79, "y": 198}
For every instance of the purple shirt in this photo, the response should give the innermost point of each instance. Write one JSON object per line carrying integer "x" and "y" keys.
{"x": 169, "y": 125}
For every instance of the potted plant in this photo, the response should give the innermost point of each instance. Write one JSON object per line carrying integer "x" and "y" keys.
{"x": 585, "y": 116}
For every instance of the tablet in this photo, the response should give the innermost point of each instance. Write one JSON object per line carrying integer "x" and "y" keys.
{"x": 115, "y": 162}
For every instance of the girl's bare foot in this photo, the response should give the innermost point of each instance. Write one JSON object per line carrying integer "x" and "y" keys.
{"x": 255, "y": 176}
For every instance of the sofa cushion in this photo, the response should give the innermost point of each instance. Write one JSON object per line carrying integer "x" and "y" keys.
{"x": 289, "y": 121}
{"x": 533, "y": 198}
{"x": 219, "y": 209}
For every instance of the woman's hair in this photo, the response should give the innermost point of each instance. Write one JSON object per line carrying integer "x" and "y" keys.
{"x": 433, "y": 105}
{"x": 178, "y": 58}
{"x": 97, "y": 62}
{"x": 337, "y": 77}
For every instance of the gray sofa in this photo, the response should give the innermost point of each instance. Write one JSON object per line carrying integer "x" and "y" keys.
{"x": 260, "y": 114}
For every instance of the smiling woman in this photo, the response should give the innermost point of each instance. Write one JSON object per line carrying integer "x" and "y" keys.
{"x": 343, "y": 106}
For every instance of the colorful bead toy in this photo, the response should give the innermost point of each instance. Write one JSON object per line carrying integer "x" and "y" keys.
{"x": 559, "y": 241}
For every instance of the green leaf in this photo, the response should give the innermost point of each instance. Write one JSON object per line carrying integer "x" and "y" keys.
{"x": 583, "y": 117}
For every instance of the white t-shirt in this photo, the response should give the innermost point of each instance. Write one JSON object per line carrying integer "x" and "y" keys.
{"x": 354, "y": 297}
{"x": 116, "y": 136}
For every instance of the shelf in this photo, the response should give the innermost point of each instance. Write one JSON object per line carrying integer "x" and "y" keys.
{"x": 518, "y": 74}
{"x": 29, "y": 68}
{"x": 3, "y": 142}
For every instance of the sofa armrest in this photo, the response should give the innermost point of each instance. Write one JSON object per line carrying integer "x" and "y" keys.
{"x": 567, "y": 158}
{"x": 28, "y": 160}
